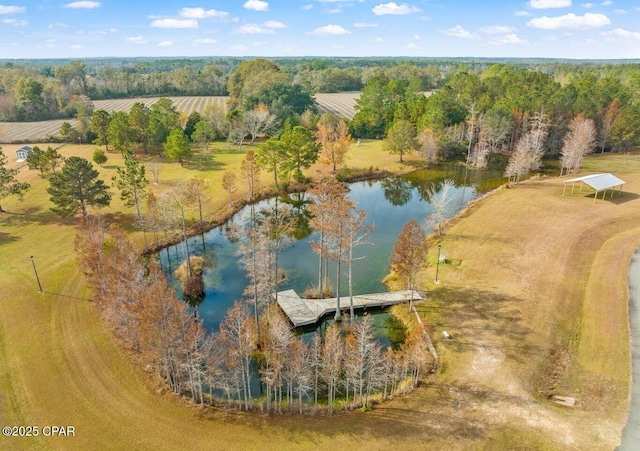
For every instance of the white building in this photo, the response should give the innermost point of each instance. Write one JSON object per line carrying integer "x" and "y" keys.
{"x": 22, "y": 153}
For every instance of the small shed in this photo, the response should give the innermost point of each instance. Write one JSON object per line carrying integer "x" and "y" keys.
{"x": 22, "y": 153}
{"x": 598, "y": 182}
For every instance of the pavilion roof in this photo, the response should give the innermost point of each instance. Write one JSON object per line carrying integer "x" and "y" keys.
{"x": 598, "y": 182}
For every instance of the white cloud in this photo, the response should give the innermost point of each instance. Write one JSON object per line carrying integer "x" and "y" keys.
{"x": 620, "y": 11}
{"x": 546, "y": 4}
{"x": 113, "y": 30}
{"x": 75, "y": 46}
{"x": 622, "y": 33}
{"x": 458, "y": 32}
{"x": 589, "y": 20}
{"x": 136, "y": 40}
{"x": 12, "y": 9}
{"x": 497, "y": 29}
{"x": 252, "y": 28}
{"x": 522, "y": 13}
{"x": 379, "y": 40}
{"x": 394, "y": 8}
{"x": 174, "y": 23}
{"x": 365, "y": 25}
{"x": 51, "y": 26}
{"x": 83, "y": 5}
{"x": 201, "y": 13}
{"x": 412, "y": 46}
{"x": 587, "y": 5}
{"x": 417, "y": 37}
{"x": 510, "y": 38}
{"x": 334, "y": 11}
{"x": 308, "y": 7}
{"x": 256, "y": 5}
{"x": 329, "y": 30}
{"x": 165, "y": 44}
{"x": 607, "y": 3}
{"x": 239, "y": 47}
{"x": 15, "y": 22}
{"x": 274, "y": 24}
{"x": 205, "y": 41}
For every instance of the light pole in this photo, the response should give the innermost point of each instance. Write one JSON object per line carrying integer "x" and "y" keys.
{"x": 438, "y": 262}
{"x": 36, "y": 271}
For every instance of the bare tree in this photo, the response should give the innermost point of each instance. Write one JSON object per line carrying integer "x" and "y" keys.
{"x": 259, "y": 121}
{"x": 356, "y": 234}
{"x": 229, "y": 181}
{"x": 333, "y": 135}
{"x": 276, "y": 338}
{"x": 337, "y": 236}
{"x": 529, "y": 149}
{"x": 331, "y": 362}
{"x": 440, "y": 200}
{"x": 196, "y": 193}
{"x": 323, "y": 193}
{"x": 361, "y": 360}
{"x": 409, "y": 254}
{"x": 579, "y": 142}
{"x": 251, "y": 172}
{"x": 429, "y": 147}
{"x": 154, "y": 168}
{"x": 480, "y": 152}
{"x": 240, "y": 331}
{"x": 180, "y": 197}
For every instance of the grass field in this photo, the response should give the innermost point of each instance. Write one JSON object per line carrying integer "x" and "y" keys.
{"x": 535, "y": 298}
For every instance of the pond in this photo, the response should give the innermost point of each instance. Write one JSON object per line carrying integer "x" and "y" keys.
{"x": 389, "y": 204}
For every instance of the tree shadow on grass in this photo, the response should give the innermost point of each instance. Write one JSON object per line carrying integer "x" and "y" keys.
{"x": 205, "y": 163}
{"x": 479, "y": 318}
{"x": 34, "y": 214}
{"x": 426, "y": 414}
{"x": 208, "y": 160}
{"x": 6, "y": 238}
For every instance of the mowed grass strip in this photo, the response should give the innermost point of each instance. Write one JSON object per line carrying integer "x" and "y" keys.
{"x": 518, "y": 290}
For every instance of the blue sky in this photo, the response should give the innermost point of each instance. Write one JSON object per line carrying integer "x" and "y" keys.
{"x": 453, "y": 28}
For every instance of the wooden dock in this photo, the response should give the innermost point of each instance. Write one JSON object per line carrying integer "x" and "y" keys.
{"x": 304, "y": 312}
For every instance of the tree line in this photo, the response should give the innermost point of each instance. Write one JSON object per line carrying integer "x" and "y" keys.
{"x": 520, "y": 112}
{"x": 344, "y": 367}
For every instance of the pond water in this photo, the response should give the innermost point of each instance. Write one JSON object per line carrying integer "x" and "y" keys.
{"x": 389, "y": 204}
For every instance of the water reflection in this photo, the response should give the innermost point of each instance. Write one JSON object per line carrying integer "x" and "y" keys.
{"x": 389, "y": 205}
{"x": 397, "y": 191}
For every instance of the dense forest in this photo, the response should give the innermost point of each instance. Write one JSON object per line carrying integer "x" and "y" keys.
{"x": 438, "y": 107}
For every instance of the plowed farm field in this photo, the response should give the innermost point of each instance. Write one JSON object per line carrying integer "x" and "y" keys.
{"x": 340, "y": 104}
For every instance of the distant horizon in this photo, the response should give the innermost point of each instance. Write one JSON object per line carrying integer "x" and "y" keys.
{"x": 320, "y": 57}
{"x": 546, "y": 29}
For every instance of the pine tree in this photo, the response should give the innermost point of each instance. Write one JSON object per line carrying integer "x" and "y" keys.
{"x": 131, "y": 182}
{"x": 77, "y": 186}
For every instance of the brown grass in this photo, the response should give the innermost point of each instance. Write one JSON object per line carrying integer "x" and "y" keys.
{"x": 537, "y": 274}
